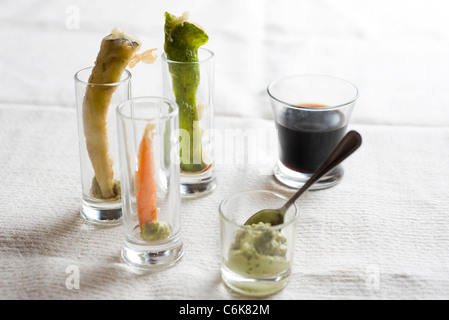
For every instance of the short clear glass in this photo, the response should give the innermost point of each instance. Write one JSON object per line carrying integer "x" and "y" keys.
{"x": 149, "y": 160}
{"x": 256, "y": 260}
{"x": 191, "y": 85}
{"x": 101, "y": 203}
{"x": 311, "y": 113}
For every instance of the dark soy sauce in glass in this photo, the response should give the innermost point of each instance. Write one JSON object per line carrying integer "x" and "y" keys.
{"x": 307, "y": 137}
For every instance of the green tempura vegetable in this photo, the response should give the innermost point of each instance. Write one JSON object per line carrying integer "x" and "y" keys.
{"x": 182, "y": 40}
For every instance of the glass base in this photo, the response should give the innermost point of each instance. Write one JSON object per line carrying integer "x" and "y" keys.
{"x": 152, "y": 258}
{"x": 296, "y": 179}
{"x": 254, "y": 287}
{"x": 197, "y": 185}
{"x": 110, "y": 215}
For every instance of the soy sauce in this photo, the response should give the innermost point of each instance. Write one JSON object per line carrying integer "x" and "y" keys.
{"x": 307, "y": 137}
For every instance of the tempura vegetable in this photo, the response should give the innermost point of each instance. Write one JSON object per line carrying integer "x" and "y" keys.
{"x": 116, "y": 51}
{"x": 145, "y": 187}
{"x": 182, "y": 40}
{"x": 145, "y": 179}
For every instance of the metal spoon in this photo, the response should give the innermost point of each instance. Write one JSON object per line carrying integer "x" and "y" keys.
{"x": 350, "y": 142}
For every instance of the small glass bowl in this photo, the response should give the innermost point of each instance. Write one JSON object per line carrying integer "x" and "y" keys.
{"x": 256, "y": 260}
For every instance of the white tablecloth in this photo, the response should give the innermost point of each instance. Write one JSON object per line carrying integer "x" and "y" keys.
{"x": 382, "y": 233}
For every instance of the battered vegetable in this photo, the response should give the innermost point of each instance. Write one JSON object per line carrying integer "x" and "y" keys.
{"x": 116, "y": 51}
{"x": 145, "y": 180}
{"x": 146, "y": 191}
{"x": 182, "y": 40}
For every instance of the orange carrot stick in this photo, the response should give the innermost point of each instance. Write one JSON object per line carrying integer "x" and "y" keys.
{"x": 145, "y": 180}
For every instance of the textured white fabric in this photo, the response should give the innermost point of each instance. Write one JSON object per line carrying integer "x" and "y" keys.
{"x": 382, "y": 233}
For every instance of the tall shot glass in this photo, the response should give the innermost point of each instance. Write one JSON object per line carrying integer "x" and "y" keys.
{"x": 100, "y": 175}
{"x": 149, "y": 160}
{"x": 191, "y": 85}
{"x": 311, "y": 113}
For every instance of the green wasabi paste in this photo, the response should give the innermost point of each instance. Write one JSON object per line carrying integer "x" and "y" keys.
{"x": 258, "y": 252}
{"x": 96, "y": 190}
{"x": 155, "y": 231}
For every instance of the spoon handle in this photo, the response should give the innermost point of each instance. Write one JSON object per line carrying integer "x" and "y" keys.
{"x": 350, "y": 142}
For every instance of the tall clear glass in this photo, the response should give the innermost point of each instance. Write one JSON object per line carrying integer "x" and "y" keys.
{"x": 149, "y": 160}
{"x": 311, "y": 113}
{"x": 191, "y": 85}
{"x": 96, "y": 103}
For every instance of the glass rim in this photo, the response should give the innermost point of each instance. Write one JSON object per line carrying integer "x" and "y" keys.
{"x": 210, "y": 57}
{"x": 112, "y": 84}
{"x": 276, "y": 227}
{"x": 166, "y": 117}
{"x": 305, "y": 75}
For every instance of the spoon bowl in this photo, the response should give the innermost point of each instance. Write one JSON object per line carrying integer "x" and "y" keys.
{"x": 350, "y": 142}
{"x": 271, "y": 216}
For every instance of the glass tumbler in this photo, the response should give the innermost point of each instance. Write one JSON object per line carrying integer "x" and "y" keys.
{"x": 311, "y": 114}
{"x": 256, "y": 260}
{"x": 149, "y": 160}
{"x": 191, "y": 85}
{"x": 100, "y": 175}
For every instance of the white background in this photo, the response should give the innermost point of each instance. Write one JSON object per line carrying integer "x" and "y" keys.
{"x": 382, "y": 233}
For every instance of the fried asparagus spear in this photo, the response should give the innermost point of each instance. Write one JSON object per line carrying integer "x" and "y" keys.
{"x": 116, "y": 51}
{"x": 182, "y": 40}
